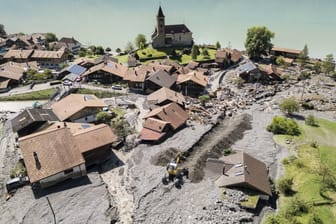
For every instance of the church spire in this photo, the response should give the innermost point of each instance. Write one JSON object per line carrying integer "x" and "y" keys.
{"x": 160, "y": 13}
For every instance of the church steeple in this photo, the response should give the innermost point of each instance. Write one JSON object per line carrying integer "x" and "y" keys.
{"x": 160, "y": 22}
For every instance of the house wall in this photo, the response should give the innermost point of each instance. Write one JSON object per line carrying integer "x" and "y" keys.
{"x": 51, "y": 62}
{"x": 181, "y": 39}
{"x": 104, "y": 77}
{"x": 191, "y": 89}
{"x": 78, "y": 171}
{"x": 137, "y": 86}
{"x": 98, "y": 155}
{"x": 86, "y": 115}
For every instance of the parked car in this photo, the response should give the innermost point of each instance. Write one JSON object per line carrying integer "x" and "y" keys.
{"x": 13, "y": 184}
{"x": 67, "y": 83}
{"x": 117, "y": 87}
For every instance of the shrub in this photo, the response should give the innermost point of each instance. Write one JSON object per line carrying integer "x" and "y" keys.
{"x": 103, "y": 117}
{"x": 285, "y": 161}
{"x": 315, "y": 219}
{"x": 310, "y": 120}
{"x": 289, "y": 105}
{"x": 204, "y": 98}
{"x": 280, "y": 60}
{"x": 274, "y": 219}
{"x": 285, "y": 185}
{"x": 282, "y": 125}
{"x": 308, "y": 106}
{"x": 239, "y": 81}
{"x": 296, "y": 207}
{"x": 314, "y": 144}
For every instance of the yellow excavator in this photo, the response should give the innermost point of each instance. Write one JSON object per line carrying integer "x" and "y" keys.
{"x": 175, "y": 173}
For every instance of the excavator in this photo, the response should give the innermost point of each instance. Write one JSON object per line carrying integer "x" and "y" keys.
{"x": 175, "y": 172}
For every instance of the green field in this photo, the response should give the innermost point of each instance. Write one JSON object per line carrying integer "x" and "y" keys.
{"x": 36, "y": 95}
{"x": 98, "y": 93}
{"x": 306, "y": 167}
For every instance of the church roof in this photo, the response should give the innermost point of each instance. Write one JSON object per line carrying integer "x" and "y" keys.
{"x": 160, "y": 13}
{"x": 178, "y": 28}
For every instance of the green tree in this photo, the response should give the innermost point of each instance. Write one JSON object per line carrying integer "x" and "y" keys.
{"x": 108, "y": 49}
{"x": 50, "y": 37}
{"x": 194, "y": 52}
{"x": 258, "y": 41}
{"x": 140, "y": 41}
{"x": 129, "y": 47}
{"x": 328, "y": 65}
{"x": 289, "y": 105}
{"x": 2, "y": 31}
{"x": 280, "y": 60}
{"x": 205, "y": 52}
{"x": 118, "y": 50}
{"x": 303, "y": 57}
{"x": 283, "y": 126}
{"x": 99, "y": 50}
{"x": 204, "y": 99}
{"x": 218, "y": 45}
{"x": 103, "y": 117}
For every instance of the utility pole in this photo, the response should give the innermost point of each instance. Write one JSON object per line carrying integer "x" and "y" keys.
{"x": 52, "y": 210}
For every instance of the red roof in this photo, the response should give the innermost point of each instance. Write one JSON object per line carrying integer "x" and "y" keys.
{"x": 149, "y": 135}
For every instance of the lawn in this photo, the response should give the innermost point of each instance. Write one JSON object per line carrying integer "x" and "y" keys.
{"x": 98, "y": 93}
{"x": 36, "y": 95}
{"x": 305, "y": 169}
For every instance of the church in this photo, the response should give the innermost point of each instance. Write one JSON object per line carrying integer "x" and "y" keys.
{"x": 170, "y": 35}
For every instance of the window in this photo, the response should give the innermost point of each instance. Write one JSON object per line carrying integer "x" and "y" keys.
{"x": 68, "y": 171}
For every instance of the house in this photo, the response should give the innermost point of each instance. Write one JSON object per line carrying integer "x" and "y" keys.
{"x": 75, "y": 70}
{"x": 70, "y": 43}
{"x": 248, "y": 71}
{"x": 163, "y": 121}
{"x": 136, "y": 78}
{"x": 32, "y": 120}
{"x": 18, "y": 55}
{"x": 12, "y": 74}
{"x": 52, "y": 156}
{"x": 106, "y": 73}
{"x": 64, "y": 150}
{"x": 227, "y": 57}
{"x": 285, "y": 52}
{"x": 78, "y": 108}
{"x": 158, "y": 80}
{"x": 240, "y": 170}
{"x": 85, "y": 62}
{"x": 270, "y": 72}
{"x": 170, "y": 35}
{"x": 192, "y": 84}
{"x": 50, "y": 59}
{"x": 165, "y": 96}
{"x": 94, "y": 141}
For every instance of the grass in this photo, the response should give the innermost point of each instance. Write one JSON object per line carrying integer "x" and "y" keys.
{"x": 251, "y": 202}
{"x": 122, "y": 58}
{"x": 36, "y": 95}
{"x": 305, "y": 168}
{"x": 98, "y": 93}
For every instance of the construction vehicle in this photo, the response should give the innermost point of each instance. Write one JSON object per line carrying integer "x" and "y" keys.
{"x": 175, "y": 173}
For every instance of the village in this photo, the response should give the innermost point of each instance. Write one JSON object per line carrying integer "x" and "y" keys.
{"x": 98, "y": 148}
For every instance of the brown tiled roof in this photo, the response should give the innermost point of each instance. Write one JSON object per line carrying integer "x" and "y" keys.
{"x": 236, "y": 55}
{"x": 18, "y": 54}
{"x": 111, "y": 68}
{"x": 150, "y": 135}
{"x": 136, "y": 74}
{"x": 194, "y": 76}
{"x": 74, "y": 103}
{"x": 162, "y": 78}
{"x": 171, "y": 113}
{"x": 94, "y": 137}
{"x": 269, "y": 69}
{"x": 13, "y": 70}
{"x": 81, "y": 61}
{"x": 73, "y": 127}
{"x": 48, "y": 54}
{"x": 286, "y": 50}
{"x": 164, "y": 94}
{"x": 192, "y": 65}
{"x": 242, "y": 169}
{"x": 158, "y": 65}
{"x": 155, "y": 124}
{"x": 56, "y": 152}
{"x": 30, "y": 116}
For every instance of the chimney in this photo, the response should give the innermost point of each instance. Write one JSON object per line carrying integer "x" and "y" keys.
{"x": 37, "y": 161}
{"x": 164, "y": 110}
{"x": 65, "y": 124}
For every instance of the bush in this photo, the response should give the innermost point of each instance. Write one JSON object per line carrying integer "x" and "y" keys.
{"x": 315, "y": 219}
{"x": 204, "y": 99}
{"x": 274, "y": 219}
{"x": 280, "y": 60}
{"x": 285, "y": 185}
{"x": 296, "y": 207}
{"x": 314, "y": 144}
{"x": 307, "y": 106}
{"x": 289, "y": 105}
{"x": 282, "y": 125}
{"x": 103, "y": 117}
{"x": 310, "y": 120}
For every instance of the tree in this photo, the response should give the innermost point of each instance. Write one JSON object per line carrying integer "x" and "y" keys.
{"x": 258, "y": 41}
{"x": 103, "y": 117}
{"x": 194, "y": 52}
{"x": 218, "y": 45}
{"x": 99, "y": 50}
{"x": 280, "y": 60}
{"x": 2, "y": 31}
{"x": 283, "y": 126}
{"x": 140, "y": 41}
{"x": 118, "y": 50}
{"x": 289, "y": 106}
{"x": 108, "y": 49}
{"x": 328, "y": 65}
{"x": 50, "y": 37}
{"x": 129, "y": 47}
{"x": 303, "y": 57}
{"x": 205, "y": 52}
